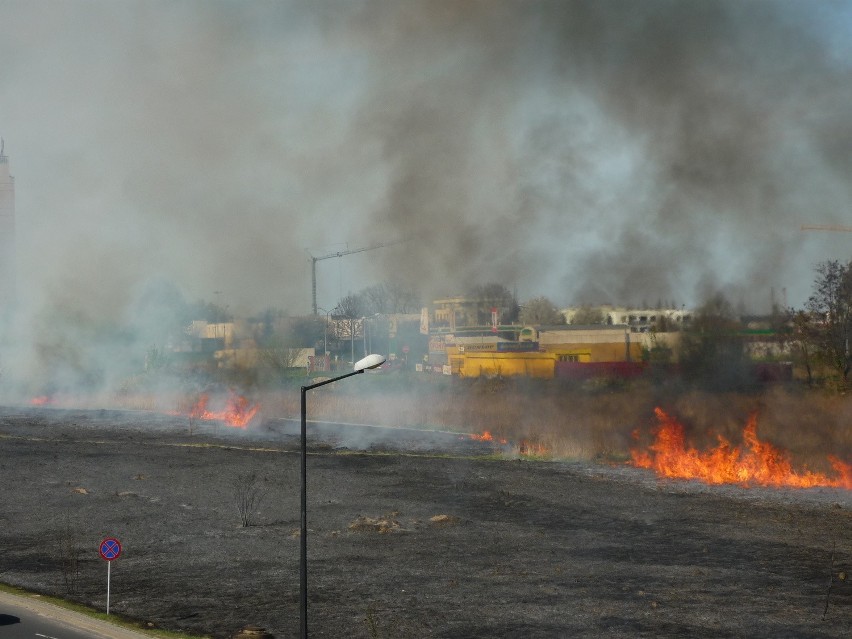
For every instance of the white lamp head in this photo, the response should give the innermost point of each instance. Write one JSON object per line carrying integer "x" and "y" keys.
{"x": 371, "y": 361}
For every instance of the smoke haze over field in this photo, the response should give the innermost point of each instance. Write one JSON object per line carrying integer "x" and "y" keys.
{"x": 587, "y": 151}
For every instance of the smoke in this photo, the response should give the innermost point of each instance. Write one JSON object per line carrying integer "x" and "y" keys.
{"x": 611, "y": 151}
{"x": 591, "y": 152}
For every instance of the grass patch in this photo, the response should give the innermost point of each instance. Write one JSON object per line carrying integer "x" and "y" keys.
{"x": 114, "y": 619}
{"x": 558, "y": 422}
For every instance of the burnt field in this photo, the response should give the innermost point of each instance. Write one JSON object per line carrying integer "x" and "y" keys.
{"x": 417, "y": 535}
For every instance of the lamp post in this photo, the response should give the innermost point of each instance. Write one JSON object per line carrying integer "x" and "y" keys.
{"x": 370, "y": 361}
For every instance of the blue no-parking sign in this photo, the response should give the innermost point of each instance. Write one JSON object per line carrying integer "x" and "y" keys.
{"x": 110, "y": 549}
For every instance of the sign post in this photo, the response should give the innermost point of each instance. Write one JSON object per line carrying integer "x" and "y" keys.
{"x": 109, "y": 549}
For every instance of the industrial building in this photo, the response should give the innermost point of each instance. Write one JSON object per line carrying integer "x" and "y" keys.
{"x": 460, "y": 345}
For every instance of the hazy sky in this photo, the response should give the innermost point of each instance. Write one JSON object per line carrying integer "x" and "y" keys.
{"x": 588, "y": 151}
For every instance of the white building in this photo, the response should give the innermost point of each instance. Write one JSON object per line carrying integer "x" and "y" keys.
{"x": 639, "y": 320}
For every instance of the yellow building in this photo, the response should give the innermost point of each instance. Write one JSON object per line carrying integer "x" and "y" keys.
{"x": 484, "y": 364}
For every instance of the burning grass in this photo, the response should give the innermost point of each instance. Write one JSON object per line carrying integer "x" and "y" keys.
{"x": 234, "y": 410}
{"x": 754, "y": 462}
{"x": 808, "y": 429}
{"x": 549, "y": 421}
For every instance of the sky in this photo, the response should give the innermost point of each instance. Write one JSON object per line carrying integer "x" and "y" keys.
{"x": 591, "y": 152}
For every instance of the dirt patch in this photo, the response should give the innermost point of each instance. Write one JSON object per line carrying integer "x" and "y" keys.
{"x": 474, "y": 547}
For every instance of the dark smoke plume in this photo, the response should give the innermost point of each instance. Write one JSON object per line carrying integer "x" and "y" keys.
{"x": 591, "y": 152}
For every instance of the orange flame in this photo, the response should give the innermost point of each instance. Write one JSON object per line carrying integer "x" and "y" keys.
{"x": 486, "y": 436}
{"x": 533, "y": 449}
{"x": 41, "y": 400}
{"x": 757, "y": 463}
{"x": 238, "y": 411}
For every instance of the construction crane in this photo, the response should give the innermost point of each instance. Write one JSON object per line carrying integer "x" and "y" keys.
{"x": 314, "y": 261}
{"x": 826, "y": 227}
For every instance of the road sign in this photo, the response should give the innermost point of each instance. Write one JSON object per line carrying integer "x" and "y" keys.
{"x": 110, "y": 549}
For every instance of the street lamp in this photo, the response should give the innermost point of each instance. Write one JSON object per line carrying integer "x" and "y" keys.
{"x": 370, "y": 361}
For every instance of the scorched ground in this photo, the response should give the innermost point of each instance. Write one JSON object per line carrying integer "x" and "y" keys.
{"x": 433, "y": 543}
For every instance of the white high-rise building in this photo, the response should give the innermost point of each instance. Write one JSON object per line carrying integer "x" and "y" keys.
{"x": 7, "y": 236}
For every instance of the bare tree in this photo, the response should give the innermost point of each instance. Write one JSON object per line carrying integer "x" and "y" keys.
{"x": 802, "y": 339}
{"x": 830, "y": 308}
{"x": 388, "y": 298}
{"x": 248, "y": 494}
{"x": 279, "y": 355}
{"x": 588, "y": 315}
{"x": 350, "y": 310}
{"x": 540, "y": 311}
{"x": 494, "y": 296}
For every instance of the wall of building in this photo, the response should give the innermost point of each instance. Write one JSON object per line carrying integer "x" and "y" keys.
{"x": 637, "y": 317}
{"x": 539, "y": 365}
{"x": 599, "y": 352}
{"x": 602, "y": 343}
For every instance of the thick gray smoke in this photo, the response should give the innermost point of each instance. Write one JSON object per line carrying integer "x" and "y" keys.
{"x": 616, "y": 151}
{"x": 597, "y": 152}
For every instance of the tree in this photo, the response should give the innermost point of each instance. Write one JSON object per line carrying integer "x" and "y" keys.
{"x": 802, "y": 337}
{"x": 279, "y": 354}
{"x": 307, "y": 331}
{"x": 351, "y": 310}
{"x": 207, "y": 311}
{"x": 830, "y": 308}
{"x": 588, "y": 315}
{"x": 389, "y": 298}
{"x": 282, "y": 341}
{"x": 494, "y": 296}
{"x": 248, "y": 495}
{"x": 540, "y": 311}
{"x": 658, "y": 357}
{"x": 712, "y": 346}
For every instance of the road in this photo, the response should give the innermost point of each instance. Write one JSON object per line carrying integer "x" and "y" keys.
{"x": 30, "y": 618}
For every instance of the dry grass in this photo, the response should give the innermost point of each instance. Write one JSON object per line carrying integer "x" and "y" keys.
{"x": 382, "y": 525}
{"x": 548, "y": 421}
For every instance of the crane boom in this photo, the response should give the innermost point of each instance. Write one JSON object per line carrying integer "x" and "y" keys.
{"x": 826, "y": 227}
{"x": 328, "y": 256}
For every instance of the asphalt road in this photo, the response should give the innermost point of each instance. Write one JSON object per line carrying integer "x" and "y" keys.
{"x": 30, "y": 618}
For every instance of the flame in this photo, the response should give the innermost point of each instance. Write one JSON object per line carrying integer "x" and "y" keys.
{"x": 238, "y": 411}
{"x": 755, "y": 463}
{"x": 486, "y": 436}
{"x": 533, "y": 449}
{"x": 525, "y": 448}
{"x": 41, "y": 400}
